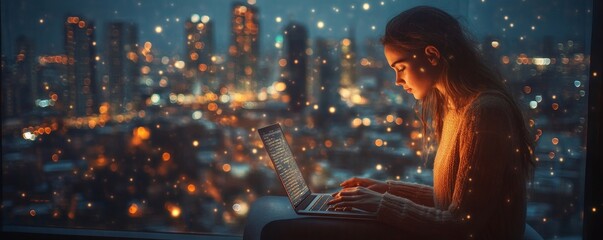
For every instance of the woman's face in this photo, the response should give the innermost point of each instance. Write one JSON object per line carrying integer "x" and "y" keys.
{"x": 414, "y": 72}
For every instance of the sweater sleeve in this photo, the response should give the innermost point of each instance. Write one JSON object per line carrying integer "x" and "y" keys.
{"x": 418, "y": 193}
{"x": 485, "y": 149}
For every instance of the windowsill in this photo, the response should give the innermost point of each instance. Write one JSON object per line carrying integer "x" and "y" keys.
{"x": 25, "y": 232}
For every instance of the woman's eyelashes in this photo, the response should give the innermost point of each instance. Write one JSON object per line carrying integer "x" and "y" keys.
{"x": 399, "y": 68}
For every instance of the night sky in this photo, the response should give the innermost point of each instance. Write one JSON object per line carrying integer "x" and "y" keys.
{"x": 42, "y": 20}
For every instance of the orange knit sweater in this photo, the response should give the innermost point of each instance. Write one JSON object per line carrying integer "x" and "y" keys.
{"x": 479, "y": 189}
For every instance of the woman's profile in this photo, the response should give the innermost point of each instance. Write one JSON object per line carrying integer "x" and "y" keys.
{"x": 484, "y": 155}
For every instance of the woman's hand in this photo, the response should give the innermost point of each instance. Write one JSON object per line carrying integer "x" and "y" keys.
{"x": 357, "y": 197}
{"x": 372, "y": 184}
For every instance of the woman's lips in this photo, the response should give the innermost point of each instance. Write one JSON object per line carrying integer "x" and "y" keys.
{"x": 408, "y": 90}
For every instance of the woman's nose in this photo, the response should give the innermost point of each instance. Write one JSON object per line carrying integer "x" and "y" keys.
{"x": 399, "y": 80}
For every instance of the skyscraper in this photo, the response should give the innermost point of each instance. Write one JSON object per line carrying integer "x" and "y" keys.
{"x": 244, "y": 48}
{"x": 123, "y": 67}
{"x": 81, "y": 69}
{"x": 326, "y": 61}
{"x": 51, "y": 81}
{"x": 296, "y": 37}
{"x": 348, "y": 59}
{"x": 8, "y": 109}
{"x": 199, "y": 51}
{"x": 23, "y": 82}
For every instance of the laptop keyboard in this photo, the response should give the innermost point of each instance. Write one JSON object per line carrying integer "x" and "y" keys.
{"x": 321, "y": 203}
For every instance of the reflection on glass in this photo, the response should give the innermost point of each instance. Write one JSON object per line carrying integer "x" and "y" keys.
{"x": 138, "y": 115}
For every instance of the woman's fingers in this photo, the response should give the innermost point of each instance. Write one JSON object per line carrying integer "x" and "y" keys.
{"x": 350, "y": 182}
{"x": 344, "y": 205}
{"x": 356, "y": 197}
{"x": 343, "y": 199}
{"x": 356, "y": 181}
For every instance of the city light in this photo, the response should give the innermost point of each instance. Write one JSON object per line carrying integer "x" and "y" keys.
{"x": 195, "y": 18}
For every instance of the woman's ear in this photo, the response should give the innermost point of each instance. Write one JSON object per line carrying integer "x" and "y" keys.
{"x": 432, "y": 54}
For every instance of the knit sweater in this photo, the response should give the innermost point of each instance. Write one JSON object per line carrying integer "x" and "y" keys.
{"x": 479, "y": 189}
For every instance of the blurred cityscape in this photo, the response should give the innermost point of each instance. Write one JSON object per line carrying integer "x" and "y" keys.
{"x": 152, "y": 142}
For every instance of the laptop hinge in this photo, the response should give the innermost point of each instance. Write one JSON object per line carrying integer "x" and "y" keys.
{"x": 306, "y": 202}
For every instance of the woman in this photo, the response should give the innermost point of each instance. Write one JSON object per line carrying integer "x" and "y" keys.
{"x": 484, "y": 155}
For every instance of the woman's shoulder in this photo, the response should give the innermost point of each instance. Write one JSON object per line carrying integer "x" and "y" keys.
{"x": 492, "y": 103}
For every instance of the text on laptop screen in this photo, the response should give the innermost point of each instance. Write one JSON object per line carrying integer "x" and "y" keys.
{"x": 285, "y": 164}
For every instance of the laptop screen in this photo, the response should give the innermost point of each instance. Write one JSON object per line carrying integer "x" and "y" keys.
{"x": 284, "y": 163}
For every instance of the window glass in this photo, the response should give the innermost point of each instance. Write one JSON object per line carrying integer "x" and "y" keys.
{"x": 143, "y": 115}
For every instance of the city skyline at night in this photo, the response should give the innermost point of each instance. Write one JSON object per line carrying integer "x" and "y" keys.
{"x": 142, "y": 115}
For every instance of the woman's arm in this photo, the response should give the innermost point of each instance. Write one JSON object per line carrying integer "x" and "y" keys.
{"x": 418, "y": 193}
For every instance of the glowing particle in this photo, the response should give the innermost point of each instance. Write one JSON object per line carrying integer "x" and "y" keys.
{"x": 191, "y": 188}
{"x": 495, "y": 44}
{"x": 226, "y": 167}
{"x": 195, "y": 18}
{"x": 320, "y": 24}
{"x": 175, "y": 212}
{"x": 166, "y": 156}
{"x": 577, "y": 83}
{"x": 328, "y": 143}
{"x": 236, "y": 207}
{"x": 278, "y": 19}
{"x": 158, "y": 29}
{"x": 366, "y": 122}
{"x": 379, "y": 167}
{"x": 179, "y": 64}
{"x": 366, "y": 6}
{"x": 133, "y": 209}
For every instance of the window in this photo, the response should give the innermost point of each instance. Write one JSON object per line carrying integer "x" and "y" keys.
{"x": 142, "y": 115}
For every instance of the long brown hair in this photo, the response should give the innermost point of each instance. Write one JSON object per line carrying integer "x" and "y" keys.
{"x": 465, "y": 74}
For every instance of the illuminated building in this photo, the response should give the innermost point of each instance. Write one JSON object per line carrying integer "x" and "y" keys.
{"x": 81, "y": 69}
{"x": 326, "y": 64}
{"x": 348, "y": 59}
{"x": 22, "y": 82}
{"x": 296, "y": 37}
{"x": 199, "y": 38}
{"x": 244, "y": 48}
{"x": 51, "y": 75}
{"x": 123, "y": 68}
{"x": 7, "y": 91}
{"x": 372, "y": 63}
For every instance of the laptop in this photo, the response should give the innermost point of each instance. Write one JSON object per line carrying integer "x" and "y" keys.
{"x": 300, "y": 195}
